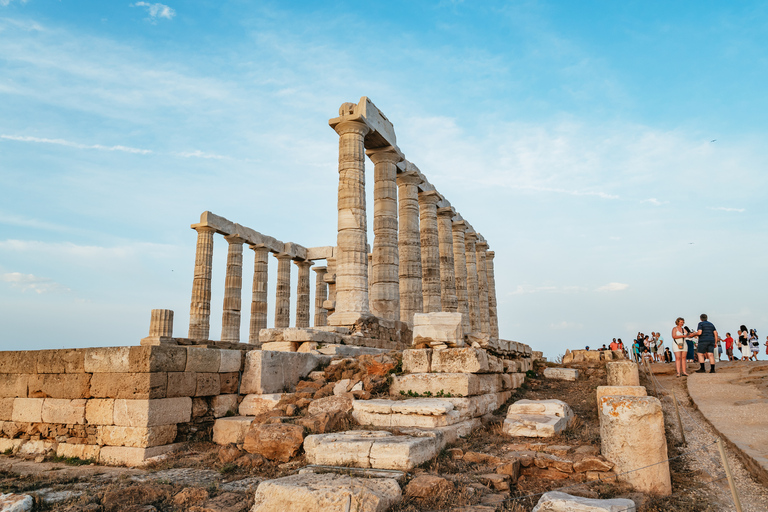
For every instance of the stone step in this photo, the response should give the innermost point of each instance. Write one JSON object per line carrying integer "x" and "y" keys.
{"x": 400, "y": 476}
{"x": 534, "y": 425}
{"x": 548, "y": 407}
{"x": 394, "y": 419}
{"x": 456, "y": 384}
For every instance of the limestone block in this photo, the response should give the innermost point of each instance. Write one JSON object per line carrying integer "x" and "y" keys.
{"x": 534, "y": 425}
{"x": 100, "y": 411}
{"x": 329, "y": 492}
{"x": 406, "y": 420}
{"x": 307, "y": 346}
{"x": 417, "y": 360}
{"x": 13, "y": 385}
{"x": 148, "y": 413}
{"x": 36, "y": 447}
{"x": 606, "y": 355}
{"x": 62, "y": 410}
{"x": 281, "y": 346}
{"x": 550, "y": 407}
{"x": 18, "y": 361}
{"x": 556, "y": 501}
{"x": 107, "y": 360}
{"x": 208, "y": 384}
{"x": 622, "y": 373}
{"x": 129, "y": 385}
{"x": 632, "y": 436}
{"x": 476, "y": 406}
{"x": 457, "y": 384}
{"x": 203, "y": 359}
{"x": 29, "y": 410}
{"x": 349, "y": 350}
{"x": 506, "y": 381}
{"x": 223, "y": 405}
{"x": 570, "y": 374}
{"x": 536, "y": 355}
{"x": 61, "y": 361}
{"x": 331, "y": 405}
{"x": 511, "y": 366}
{"x": 131, "y": 456}
{"x": 304, "y": 335}
{"x": 274, "y": 441}
{"x": 517, "y": 379}
{"x": 495, "y": 364}
{"x": 138, "y": 437}
{"x": 269, "y": 335}
{"x": 253, "y": 405}
{"x": 460, "y": 360}
{"x": 441, "y": 327}
{"x": 452, "y": 433}
{"x": 424, "y": 406}
{"x": 16, "y": 502}
{"x": 231, "y": 361}
{"x": 181, "y": 384}
{"x": 230, "y": 383}
{"x": 10, "y": 445}
{"x": 525, "y": 364}
{"x": 618, "y": 354}
{"x": 620, "y": 391}
{"x": 159, "y": 358}
{"x": 231, "y": 429}
{"x": 6, "y": 409}
{"x": 59, "y": 385}
{"x": 591, "y": 356}
{"x": 276, "y": 372}
{"x": 79, "y": 451}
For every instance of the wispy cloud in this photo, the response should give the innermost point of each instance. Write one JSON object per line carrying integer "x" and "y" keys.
{"x": 63, "y": 142}
{"x": 201, "y": 154}
{"x": 613, "y": 287}
{"x": 33, "y": 283}
{"x": 156, "y": 11}
{"x": 88, "y": 253}
{"x": 654, "y": 201}
{"x": 725, "y": 209}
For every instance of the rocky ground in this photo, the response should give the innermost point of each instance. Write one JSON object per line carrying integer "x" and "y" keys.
{"x": 484, "y": 472}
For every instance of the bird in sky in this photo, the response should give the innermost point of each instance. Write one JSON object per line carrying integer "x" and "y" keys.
{"x": 713, "y": 140}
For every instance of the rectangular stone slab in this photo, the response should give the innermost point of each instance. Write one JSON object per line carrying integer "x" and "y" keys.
{"x": 534, "y": 425}
{"x": 422, "y": 406}
{"x": 460, "y": 360}
{"x": 406, "y": 420}
{"x": 138, "y": 437}
{"x": 231, "y": 430}
{"x": 131, "y": 456}
{"x": 268, "y": 371}
{"x": 457, "y": 384}
{"x": 570, "y": 374}
{"x": 551, "y": 407}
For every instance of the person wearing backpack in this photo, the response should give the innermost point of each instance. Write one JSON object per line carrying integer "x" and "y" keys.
{"x": 754, "y": 343}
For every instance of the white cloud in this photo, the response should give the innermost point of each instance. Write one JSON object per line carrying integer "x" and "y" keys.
{"x": 200, "y": 154}
{"x": 613, "y": 287}
{"x": 156, "y": 11}
{"x": 62, "y": 142}
{"x": 30, "y": 282}
{"x": 725, "y": 209}
{"x": 654, "y": 201}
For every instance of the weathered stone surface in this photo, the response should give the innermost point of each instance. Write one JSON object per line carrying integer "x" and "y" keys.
{"x": 555, "y": 501}
{"x": 460, "y": 360}
{"x": 148, "y": 413}
{"x": 457, "y": 384}
{"x": 277, "y": 372}
{"x": 274, "y": 441}
{"x": 180, "y": 384}
{"x": 417, "y": 360}
{"x": 442, "y": 327}
{"x": 253, "y": 405}
{"x": 158, "y": 358}
{"x": 305, "y": 335}
{"x": 481, "y": 458}
{"x": 307, "y": 347}
{"x": 203, "y": 359}
{"x": 100, "y": 411}
{"x": 480, "y": 405}
{"x": 223, "y": 405}
{"x": 622, "y": 373}
{"x": 62, "y": 410}
{"x": 534, "y": 425}
{"x": 394, "y": 419}
{"x": 549, "y": 407}
{"x": 16, "y": 502}
{"x": 592, "y": 463}
{"x": 59, "y": 385}
{"x": 545, "y": 460}
{"x": 231, "y": 430}
{"x": 61, "y": 361}
{"x": 129, "y": 385}
{"x": 570, "y": 374}
{"x": 281, "y": 346}
{"x": 230, "y": 383}
{"x": 138, "y": 437}
{"x": 620, "y": 391}
{"x": 6, "y": 409}
{"x": 132, "y": 456}
{"x": 511, "y": 469}
{"x": 328, "y": 492}
{"x": 13, "y": 385}
{"x": 427, "y": 486}
{"x": 107, "y": 360}
{"x": 18, "y": 361}
{"x": 231, "y": 361}
{"x": 208, "y": 384}
{"x": 632, "y": 436}
{"x": 28, "y": 410}
{"x": 497, "y": 481}
{"x": 331, "y": 405}
{"x": 36, "y": 447}
{"x": 80, "y": 451}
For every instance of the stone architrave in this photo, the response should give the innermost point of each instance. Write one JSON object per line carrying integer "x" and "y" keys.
{"x": 385, "y": 282}
{"x": 259, "y": 293}
{"x": 492, "y": 307}
{"x": 622, "y": 373}
{"x": 351, "y": 240}
{"x": 233, "y": 288}
{"x": 302, "y": 293}
{"x": 460, "y": 271}
{"x": 430, "y": 251}
{"x": 321, "y": 295}
{"x": 473, "y": 293}
{"x": 200, "y": 306}
{"x": 448, "y": 297}
{"x": 283, "y": 292}
{"x": 411, "y": 296}
{"x": 482, "y": 286}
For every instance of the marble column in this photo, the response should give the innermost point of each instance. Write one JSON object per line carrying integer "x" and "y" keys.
{"x": 411, "y": 297}
{"x": 430, "y": 251}
{"x": 482, "y": 287}
{"x": 351, "y": 239}
{"x": 233, "y": 290}
{"x": 283, "y": 295}
{"x": 200, "y": 305}
{"x": 448, "y": 298}
{"x": 473, "y": 294}
{"x": 493, "y": 313}
{"x": 321, "y": 295}
{"x": 460, "y": 271}
{"x": 259, "y": 294}
{"x": 385, "y": 282}
{"x": 302, "y": 294}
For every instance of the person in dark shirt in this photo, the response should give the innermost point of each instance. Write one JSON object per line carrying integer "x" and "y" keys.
{"x": 707, "y": 340}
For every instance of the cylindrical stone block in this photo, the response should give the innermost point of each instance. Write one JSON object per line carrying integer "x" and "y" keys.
{"x": 200, "y": 305}
{"x": 321, "y": 295}
{"x": 448, "y": 298}
{"x": 460, "y": 269}
{"x": 259, "y": 294}
{"x": 622, "y": 373}
{"x": 430, "y": 251}
{"x": 302, "y": 294}
{"x": 283, "y": 291}
{"x": 632, "y": 437}
{"x": 233, "y": 290}
{"x": 620, "y": 391}
{"x": 482, "y": 288}
{"x": 161, "y": 323}
{"x": 473, "y": 293}
{"x": 492, "y": 307}
{"x": 409, "y": 242}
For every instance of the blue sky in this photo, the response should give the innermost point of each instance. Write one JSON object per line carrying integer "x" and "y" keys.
{"x": 613, "y": 153}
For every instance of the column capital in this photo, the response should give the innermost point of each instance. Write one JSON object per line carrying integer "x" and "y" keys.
{"x": 409, "y": 178}
{"x": 258, "y": 247}
{"x": 303, "y": 263}
{"x": 431, "y": 197}
{"x": 459, "y": 225}
{"x": 490, "y": 255}
{"x": 321, "y": 270}
{"x": 446, "y": 211}
{"x": 282, "y": 255}
{"x": 470, "y": 236}
{"x": 357, "y": 127}
{"x": 480, "y": 244}
{"x": 203, "y": 228}
{"x": 234, "y": 239}
{"x": 389, "y": 154}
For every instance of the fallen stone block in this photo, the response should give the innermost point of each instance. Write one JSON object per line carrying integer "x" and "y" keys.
{"x": 61, "y": 410}
{"x": 427, "y": 486}
{"x": 12, "y": 502}
{"x": 440, "y": 327}
{"x": 592, "y": 463}
{"x": 620, "y": 391}
{"x": 480, "y": 405}
{"x": 622, "y": 373}
{"x": 231, "y": 430}
{"x": 555, "y": 501}
{"x": 138, "y": 437}
{"x": 253, "y": 405}
{"x": 534, "y": 425}
{"x": 570, "y": 374}
{"x": 456, "y": 384}
{"x": 328, "y": 492}
{"x": 399, "y": 476}
{"x": 274, "y": 441}
{"x": 331, "y": 405}
{"x": 548, "y": 407}
{"x": 460, "y": 360}
{"x": 307, "y": 346}
{"x": 450, "y": 433}
{"x": 148, "y": 413}
{"x": 268, "y": 371}
{"x": 417, "y": 360}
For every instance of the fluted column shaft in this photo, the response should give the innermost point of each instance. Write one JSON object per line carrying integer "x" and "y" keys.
{"x": 259, "y": 294}
{"x": 411, "y": 297}
{"x": 283, "y": 295}
{"x": 321, "y": 295}
{"x": 161, "y": 323}
{"x": 430, "y": 251}
{"x": 200, "y": 305}
{"x": 302, "y": 294}
{"x": 385, "y": 282}
{"x": 331, "y": 262}
{"x": 473, "y": 294}
{"x": 351, "y": 240}
{"x": 482, "y": 287}
{"x": 448, "y": 298}
{"x": 460, "y": 268}
{"x": 492, "y": 311}
{"x": 233, "y": 290}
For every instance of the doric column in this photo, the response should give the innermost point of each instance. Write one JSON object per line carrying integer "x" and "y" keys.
{"x": 233, "y": 290}
{"x": 482, "y": 287}
{"x": 385, "y": 283}
{"x": 370, "y": 283}
{"x": 330, "y": 278}
{"x": 409, "y": 241}
{"x": 473, "y": 295}
{"x": 283, "y": 299}
{"x": 321, "y": 295}
{"x": 259, "y": 294}
{"x": 460, "y": 268}
{"x": 351, "y": 241}
{"x": 200, "y": 306}
{"x": 430, "y": 251}
{"x": 302, "y": 294}
{"x": 448, "y": 299}
{"x": 493, "y": 313}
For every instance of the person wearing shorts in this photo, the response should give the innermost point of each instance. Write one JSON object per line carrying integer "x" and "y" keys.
{"x": 729, "y": 346}
{"x": 707, "y": 334}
